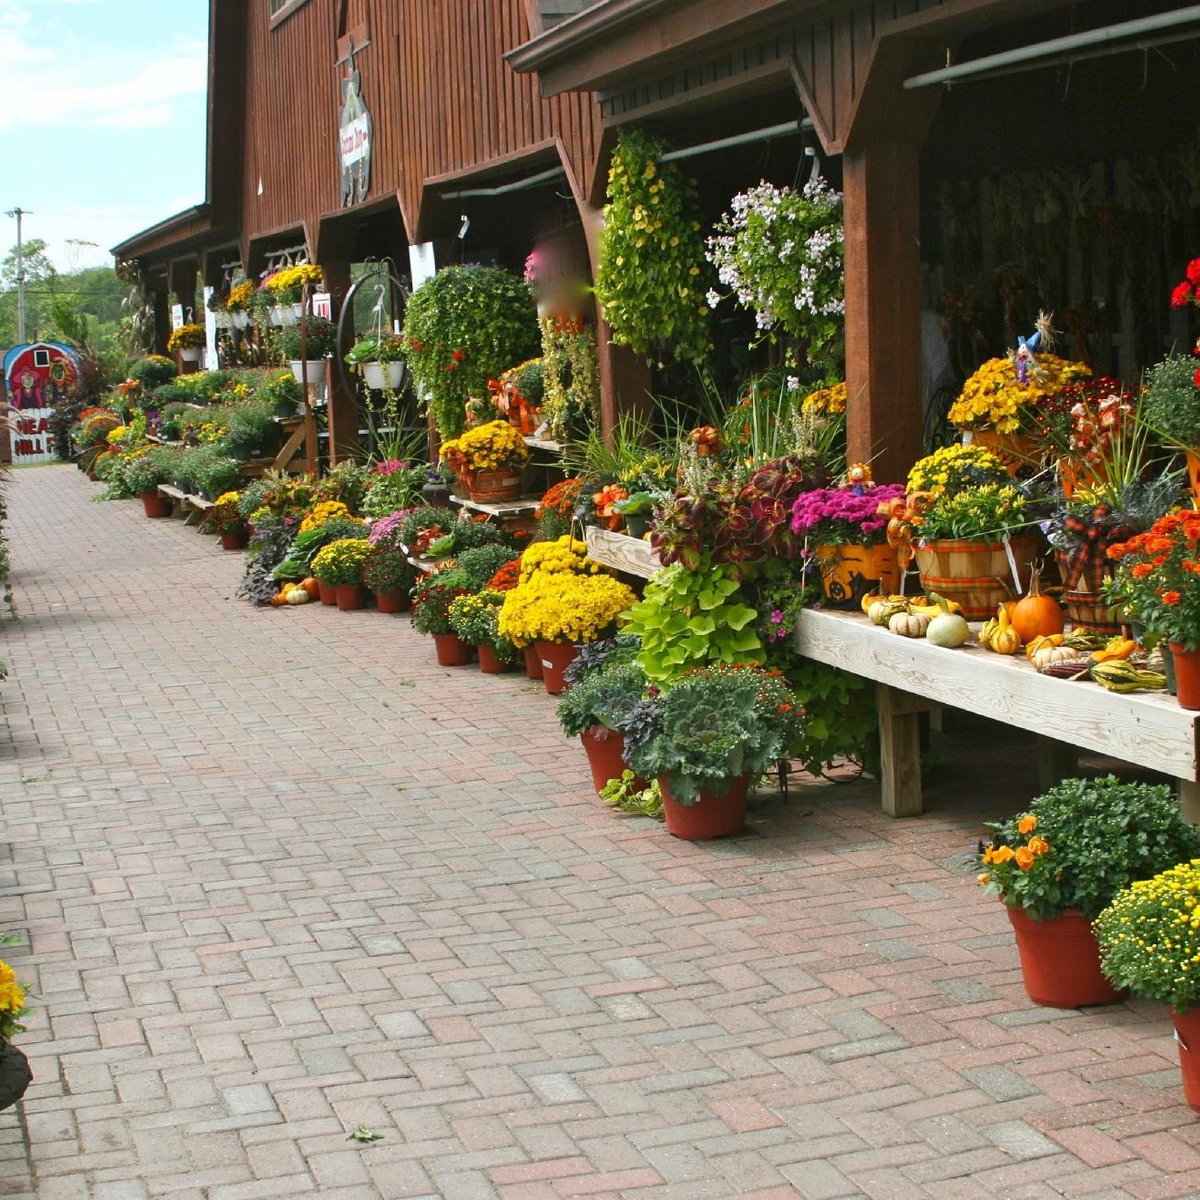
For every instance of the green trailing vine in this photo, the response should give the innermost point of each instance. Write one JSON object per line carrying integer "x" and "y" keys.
{"x": 653, "y": 275}
{"x": 570, "y": 376}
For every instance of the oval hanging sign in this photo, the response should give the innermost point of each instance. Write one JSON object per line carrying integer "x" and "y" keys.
{"x": 354, "y": 138}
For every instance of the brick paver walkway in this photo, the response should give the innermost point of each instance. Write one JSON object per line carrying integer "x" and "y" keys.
{"x": 283, "y": 876}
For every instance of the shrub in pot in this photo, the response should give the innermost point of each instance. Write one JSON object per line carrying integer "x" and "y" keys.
{"x": 320, "y": 339}
{"x": 1059, "y": 864}
{"x": 475, "y": 620}
{"x": 389, "y": 574}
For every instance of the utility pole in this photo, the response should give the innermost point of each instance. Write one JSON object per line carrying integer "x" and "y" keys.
{"x": 19, "y": 213}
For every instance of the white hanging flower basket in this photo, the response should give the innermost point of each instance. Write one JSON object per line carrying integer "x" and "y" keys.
{"x": 315, "y": 371}
{"x": 379, "y": 375}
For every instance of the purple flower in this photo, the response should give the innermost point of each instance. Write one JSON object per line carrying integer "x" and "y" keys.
{"x": 833, "y": 515}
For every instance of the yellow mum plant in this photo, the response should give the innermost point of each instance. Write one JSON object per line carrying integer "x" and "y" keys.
{"x": 563, "y": 607}
{"x": 826, "y": 401}
{"x": 326, "y": 511}
{"x": 566, "y": 555}
{"x": 955, "y": 468}
{"x": 995, "y": 398}
{"x": 495, "y": 446}
{"x": 12, "y": 1004}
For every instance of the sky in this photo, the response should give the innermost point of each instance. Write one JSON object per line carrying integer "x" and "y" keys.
{"x": 102, "y": 119}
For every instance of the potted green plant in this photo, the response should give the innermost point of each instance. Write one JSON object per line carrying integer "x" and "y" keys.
{"x": 143, "y": 474}
{"x": 154, "y": 370}
{"x": 15, "y": 1075}
{"x": 315, "y": 338}
{"x": 1058, "y": 864}
{"x": 389, "y": 574}
{"x": 475, "y": 619}
{"x": 379, "y": 358}
{"x": 462, "y": 327}
{"x": 597, "y": 706}
{"x": 706, "y": 739}
{"x": 1149, "y": 938}
{"x": 432, "y": 598}
{"x": 226, "y": 521}
{"x": 339, "y": 565}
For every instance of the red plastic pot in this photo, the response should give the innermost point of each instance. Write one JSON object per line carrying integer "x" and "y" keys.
{"x": 234, "y": 540}
{"x": 712, "y": 816}
{"x": 451, "y": 650}
{"x": 1060, "y": 960}
{"x": 392, "y": 602}
{"x": 533, "y": 663}
{"x": 156, "y": 505}
{"x": 351, "y": 596}
{"x": 327, "y": 592}
{"x": 1187, "y": 675}
{"x": 556, "y": 658}
{"x": 1187, "y": 1038}
{"x": 603, "y": 748}
{"x": 489, "y": 664}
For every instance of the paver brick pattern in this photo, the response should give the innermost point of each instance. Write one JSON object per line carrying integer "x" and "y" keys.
{"x": 281, "y": 875}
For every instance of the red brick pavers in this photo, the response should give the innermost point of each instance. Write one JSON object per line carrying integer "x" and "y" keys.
{"x": 283, "y": 876}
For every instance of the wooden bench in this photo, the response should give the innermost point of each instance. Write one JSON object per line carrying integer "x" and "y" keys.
{"x": 913, "y": 676}
{"x": 190, "y": 508}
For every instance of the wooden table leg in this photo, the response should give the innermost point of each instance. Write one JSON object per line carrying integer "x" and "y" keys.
{"x": 1189, "y": 801}
{"x": 1056, "y": 761}
{"x": 900, "y": 750}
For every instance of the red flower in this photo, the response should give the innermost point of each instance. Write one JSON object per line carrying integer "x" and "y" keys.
{"x": 1171, "y": 597}
{"x": 1193, "y": 271}
{"x": 1181, "y": 295}
{"x": 457, "y": 356}
{"x": 1196, "y": 378}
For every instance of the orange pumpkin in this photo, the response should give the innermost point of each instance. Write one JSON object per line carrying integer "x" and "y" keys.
{"x": 1036, "y": 615}
{"x": 311, "y": 586}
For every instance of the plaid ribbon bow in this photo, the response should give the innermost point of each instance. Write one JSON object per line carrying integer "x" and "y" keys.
{"x": 1088, "y": 561}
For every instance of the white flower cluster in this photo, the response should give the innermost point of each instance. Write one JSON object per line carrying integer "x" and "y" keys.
{"x": 780, "y": 253}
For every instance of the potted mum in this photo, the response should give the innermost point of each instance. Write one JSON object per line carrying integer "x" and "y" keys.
{"x": 706, "y": 739}
{"x": 285, "y": 291}
{"x": 15, "y": 1075}
{"x": 1157, "y": 584}
{"x": 142, "y": 477}
{"x": 475, "y": 619}
{"x": 388, "y": 573}
{"x": 1149, "y": 939}
{"x": 598, "y": 704}
{"x": 339, "y": 565}
{"x": 846, "y": 536}
{"x": 561, "y": 604}
{"x": 188, "y": 341}
{"x": 1170, "y": 406}
{"x": 431, "y": 601}
{"x": 488, "y": 461}
{"x": 379, "y": 358}
{"x": 1057, "y": 865}
{"x": 225, "y": 519}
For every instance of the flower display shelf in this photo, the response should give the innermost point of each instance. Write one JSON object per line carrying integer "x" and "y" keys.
{"x": 621, "y": 552}
{"x": 1149, "y": 729}
{"x": 190, "y": 508}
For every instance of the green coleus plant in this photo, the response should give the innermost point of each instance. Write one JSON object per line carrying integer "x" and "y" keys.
{"x": 693, "y": 618}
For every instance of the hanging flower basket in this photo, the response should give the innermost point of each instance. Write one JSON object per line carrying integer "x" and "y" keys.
{"x": 315, "y": 371}
{"x": 381, "y": 375}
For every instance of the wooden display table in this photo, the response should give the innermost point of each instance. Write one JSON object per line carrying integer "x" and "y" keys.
{"x": 188, "y": 507}
{"x": 912, "y": 676}
{"x": 634, "y": 556}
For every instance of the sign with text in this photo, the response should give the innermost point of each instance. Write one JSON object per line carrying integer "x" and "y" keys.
{"x": 322, "y": 305}
{"x": 355, "y": 129}
{"x": 37, "y": 377}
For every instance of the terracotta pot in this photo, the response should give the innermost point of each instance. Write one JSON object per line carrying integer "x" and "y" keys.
{"x": 234, "y": 540}
{"x": 1187, "y": 676}
{"x": 156, "y": 505}
{"x": 848, "y": 573}
{"x": 490, "y": 487}
{"x": 327, "y": 592}
{"x": 351, "y": 596}
{"x": 392, "y": 602}
{"x": 15, "y": 1075}
{"x": 1187, "y": 1038}
{"x": 604, "y": 751}
{"x": 556, "y": 658}
{"x": 1060, "y": 960}
{"x": 452, "y": 651}
{"x": 489, "y": 663}
{"x": 533, "y": 663}
{"x": 712, "y": 816}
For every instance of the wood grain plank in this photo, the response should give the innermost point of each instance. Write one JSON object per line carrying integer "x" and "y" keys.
{"x": 622, "y": 553}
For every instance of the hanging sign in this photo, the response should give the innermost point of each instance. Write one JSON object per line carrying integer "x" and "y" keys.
{"x": 322, "y": 305}
{"x": 176, "y": 317}
{"x": 355, "y": 129}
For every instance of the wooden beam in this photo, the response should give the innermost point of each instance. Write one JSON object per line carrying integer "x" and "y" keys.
{"x": 884, "y": 419}
{"x": 899, "y": 752}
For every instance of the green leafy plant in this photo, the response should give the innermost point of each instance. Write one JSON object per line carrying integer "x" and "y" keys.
{"x": 840, "y": 722}
{"x": 462, "y": 327}
{"x": 1149, "y": 937}
{"x": 387, "y": 570}
{"x": 153, "y": 371}
{"x": 479, "y": 563}
{"x": 1170, "y": 404}
{"x": 602, "y": 697}
{"x": 985, "y": 513}
{"x": 627, "y": 794}
{"x": 382, "y": 347}
{"x": 305, "y": 546}
{"x": 475, "y": 619}
{"x": 432, "y": 598}
{"x": 652, "y": 275}
{"x": 1083, "y": 841}
{"x": 320, "y": 339}
{"x": 692, "y": 618}
{"x": 715, "y": 725}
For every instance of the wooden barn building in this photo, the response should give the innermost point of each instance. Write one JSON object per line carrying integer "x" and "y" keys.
{"x": 996, "y": 156}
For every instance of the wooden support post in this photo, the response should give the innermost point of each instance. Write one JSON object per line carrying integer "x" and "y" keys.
{"x": 1189, "y": 801}
{"x": 1056, "y": 761}
{"x": 900, "y": 750}
{"x": 344, "y": 412}
{"x": 884, "y": 417}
